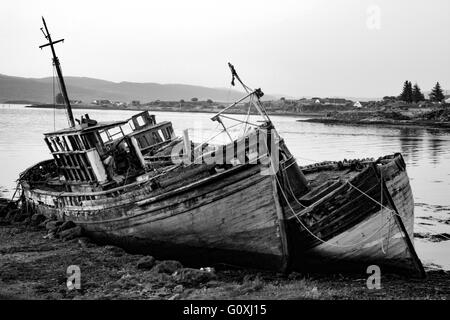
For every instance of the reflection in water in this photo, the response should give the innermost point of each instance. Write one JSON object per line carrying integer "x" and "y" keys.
{"x": 435, "y": 148}
{"x": 410, "y": 142}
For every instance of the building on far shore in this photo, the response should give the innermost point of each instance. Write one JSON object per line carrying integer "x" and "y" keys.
{"x": 357, "y": 104}
{"x": 337, "y": 101}
{"x": 120, "y": 104}
{"x": 135, "y": 103}
{"x": 329, "y": 101}
{"x": 101, "y": 102}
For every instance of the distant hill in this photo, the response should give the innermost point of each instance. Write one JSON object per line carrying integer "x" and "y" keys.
{"x": 88, "y": 89}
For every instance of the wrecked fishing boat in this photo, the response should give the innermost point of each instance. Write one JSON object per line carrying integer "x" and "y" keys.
{"x": 246, "y": 202}
{"x": 358, "y": 213}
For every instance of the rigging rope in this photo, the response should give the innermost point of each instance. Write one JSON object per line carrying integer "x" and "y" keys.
{"x": 316, "y": 237}
{"x": 310, "y": 232}
{"x": 381, "y": 207}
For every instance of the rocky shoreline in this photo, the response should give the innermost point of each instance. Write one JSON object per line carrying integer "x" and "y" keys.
{"x": 170, "y": 109}
{"x": 437, "y": 118}
{"x": 35, "y": 253}
{"x": 385, "y": 122}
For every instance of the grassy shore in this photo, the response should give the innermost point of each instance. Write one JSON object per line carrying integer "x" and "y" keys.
{"x": 377, "y": 122}
{"x": 32, "y": 267}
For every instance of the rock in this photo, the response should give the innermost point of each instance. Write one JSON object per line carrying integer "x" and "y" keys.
{"x": 115, "y": 251}
{"x": 37, "y": 219}
{"x": 66, "y": 225}
{"x": 146, "y": 263}
{"x": 193, "y": 277}
{"x": 52, "y": 225}
{"x": 12, "y": 212}
{"x": 44, "y": 223}
{"x": 17, "y": 216}
{"x": 26, "y": 221}
{"x": 71, "y": 233}
{"x": 294, "y": 276}
{"x": 175, "y": 297}
{"x": 167, "y": 266}
{"x": 178, "y": 288}
{"x": 50, "y": 235}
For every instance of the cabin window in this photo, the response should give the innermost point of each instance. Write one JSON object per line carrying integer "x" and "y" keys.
{"x": 104, "y": 135}
{"x": 140, "y": 121}
{"x": 165, "y": 133}
{"x": 52, "y": 142}
{"x": 156, "y": 137}
{"x": 71, "y": 145}
{"x": 59, "y": 143}
{"x": 87, "y": 143}
{"x": 127, "y": 129}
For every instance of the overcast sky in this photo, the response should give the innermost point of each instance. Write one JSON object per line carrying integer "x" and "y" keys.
{"x": 300, "y": 48}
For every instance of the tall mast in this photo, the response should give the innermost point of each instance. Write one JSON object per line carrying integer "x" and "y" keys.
{"x": 58, "y": 71}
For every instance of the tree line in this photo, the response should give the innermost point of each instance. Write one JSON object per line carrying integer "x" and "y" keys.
{"x": 412, "y": 93}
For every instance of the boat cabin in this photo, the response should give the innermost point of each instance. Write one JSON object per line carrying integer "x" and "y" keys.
{"x": 106, "y": 154}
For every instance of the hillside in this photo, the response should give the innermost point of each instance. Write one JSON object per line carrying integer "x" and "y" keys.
{"x": 88, "y": 89}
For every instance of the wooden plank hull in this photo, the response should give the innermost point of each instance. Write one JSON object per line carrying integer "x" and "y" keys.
{"x": 350, "y": 230}
{"x": 230, "y": 219}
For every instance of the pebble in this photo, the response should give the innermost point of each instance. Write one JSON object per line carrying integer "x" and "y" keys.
{"x": 146, "y": 263}
{"x": 178, "y": 288}
{"x": 167, "y": 266}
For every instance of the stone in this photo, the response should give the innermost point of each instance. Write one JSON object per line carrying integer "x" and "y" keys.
{"x": 175, "y": 297}
{"x": 37, "y": 219}
{"x": 18, "y": 217}
{"x": 115, "y": 251}
{"x": 167, "y": 266}
{"x": 85, "y": 242}
{"x": 52, "y": 225}
{"x": 146, "y": 263}
{"x": 178, "y": 288}
{"x": 71, "y": 233}
{"x": 193, "y": 277}
{"x": 66, "y": 225}
{"x": 50, "y": 235}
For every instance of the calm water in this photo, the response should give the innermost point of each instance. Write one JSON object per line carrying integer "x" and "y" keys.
{"x": 426, "y": 152}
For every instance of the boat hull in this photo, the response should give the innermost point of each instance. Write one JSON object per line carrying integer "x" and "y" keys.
{"x": 231, "y": 218}
{"x": 363, "y": 224}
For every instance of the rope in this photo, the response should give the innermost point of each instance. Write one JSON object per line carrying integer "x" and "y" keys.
{"x": 248, "y": 115}
{"x": 316, "y": 237}
{"x": 381, "y": 206}
{"x": 309, "y": 231}
{"x": 292, "y": 192}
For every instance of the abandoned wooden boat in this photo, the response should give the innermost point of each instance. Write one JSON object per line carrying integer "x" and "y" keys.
{"x": 135, "y": 184}
{"x": 355, "y": 216}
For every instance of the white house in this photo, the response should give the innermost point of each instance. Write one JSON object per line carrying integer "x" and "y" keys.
{"x": 357, "y": 104}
